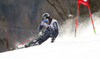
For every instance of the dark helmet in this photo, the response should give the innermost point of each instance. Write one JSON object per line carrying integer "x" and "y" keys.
{"x": 46, "y": 15}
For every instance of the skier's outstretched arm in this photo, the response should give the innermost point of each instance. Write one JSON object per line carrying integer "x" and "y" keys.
{"x": 41, "y": 26}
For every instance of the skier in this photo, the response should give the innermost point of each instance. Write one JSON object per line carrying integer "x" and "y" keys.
{"x": 51, "y": 30}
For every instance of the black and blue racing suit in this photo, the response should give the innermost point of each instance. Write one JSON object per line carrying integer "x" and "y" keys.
{"x": 52, "y": 30}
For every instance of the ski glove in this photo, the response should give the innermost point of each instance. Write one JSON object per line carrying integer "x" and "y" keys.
{"x": 53, "y": 39}
{"x": 40, "y": 33}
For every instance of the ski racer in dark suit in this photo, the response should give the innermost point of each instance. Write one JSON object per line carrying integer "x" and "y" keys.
{"x": 52, "y": 30}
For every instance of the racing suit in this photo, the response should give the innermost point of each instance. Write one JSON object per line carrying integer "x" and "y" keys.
{"x": 52, "y": 30}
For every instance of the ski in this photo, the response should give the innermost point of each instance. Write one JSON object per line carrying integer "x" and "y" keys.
{"x": 26, "y": 46}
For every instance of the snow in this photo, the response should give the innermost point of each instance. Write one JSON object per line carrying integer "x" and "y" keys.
{"x": 85, "y": 46}
{"x": 68, "y": 49}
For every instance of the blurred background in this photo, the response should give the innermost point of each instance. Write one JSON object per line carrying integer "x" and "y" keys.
{"x": 19, "y": 19}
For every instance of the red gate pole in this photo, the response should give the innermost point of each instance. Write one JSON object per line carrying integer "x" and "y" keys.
{"x": 91, "y": 19}
{"x": 77, "y": 17}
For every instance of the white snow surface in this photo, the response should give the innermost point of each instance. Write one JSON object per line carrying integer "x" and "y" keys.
{"x": 85, "y": 46}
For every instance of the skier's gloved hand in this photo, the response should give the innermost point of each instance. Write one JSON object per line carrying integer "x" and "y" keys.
{"x": 53, "y": 39}
{"x": 49, "y": 28}
{"x": 40, "y": 33}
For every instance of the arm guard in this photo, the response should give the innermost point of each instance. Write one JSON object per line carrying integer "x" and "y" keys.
{"x": 40, "y": 28}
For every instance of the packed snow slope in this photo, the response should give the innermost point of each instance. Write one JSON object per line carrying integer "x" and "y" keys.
{"x": 85, "y": 46}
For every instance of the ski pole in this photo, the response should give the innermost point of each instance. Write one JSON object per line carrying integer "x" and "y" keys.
{"x": 21, "y": 43}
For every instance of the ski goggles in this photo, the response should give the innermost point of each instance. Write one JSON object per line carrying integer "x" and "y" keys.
{"x": 46, "y": 20}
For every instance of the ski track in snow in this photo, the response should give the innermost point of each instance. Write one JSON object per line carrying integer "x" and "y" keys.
{"x": 85, "y": 46}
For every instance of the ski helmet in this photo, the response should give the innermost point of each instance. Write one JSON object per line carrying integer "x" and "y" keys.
{"x": 45, "y": 15}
